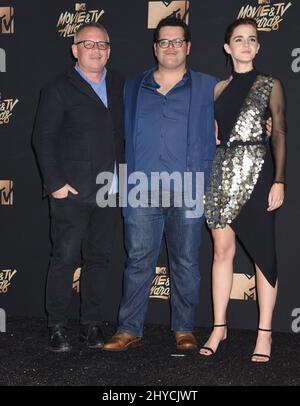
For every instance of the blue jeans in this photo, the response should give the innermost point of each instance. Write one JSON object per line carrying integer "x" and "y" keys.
{"x": 144, "y": 229}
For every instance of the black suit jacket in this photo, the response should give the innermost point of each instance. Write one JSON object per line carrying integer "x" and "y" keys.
{"x": 75, "y": 135}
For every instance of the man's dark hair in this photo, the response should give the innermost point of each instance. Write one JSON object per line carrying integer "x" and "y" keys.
{"x": 172, "y": 22}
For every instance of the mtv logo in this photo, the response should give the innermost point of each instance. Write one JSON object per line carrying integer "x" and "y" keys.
{"x": 80, "y": 6}
{"x": 6, "y": 20}
{"x": 243, "y": 287}
{"x": 6, "y": 192}
{"x": 2, "y": 60}
{"x": 158, "y": 10}
{"x": 160, "y": 288}
{"x": 160, "y": 270}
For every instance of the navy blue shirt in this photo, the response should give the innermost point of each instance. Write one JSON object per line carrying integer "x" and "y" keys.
{"x": 162, "y": 126}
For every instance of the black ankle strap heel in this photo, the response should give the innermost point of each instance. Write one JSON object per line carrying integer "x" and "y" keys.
{"x": 212, "y": 352}
{"x": 262, "y": 355}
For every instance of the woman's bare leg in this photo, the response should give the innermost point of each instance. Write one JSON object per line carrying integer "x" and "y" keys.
{"x": 266, "y": 301}
{"x": 222, "y": 274}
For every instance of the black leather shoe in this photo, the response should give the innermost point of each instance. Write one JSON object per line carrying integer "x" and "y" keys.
{"x": 59, "y": 341}
{"x": 92, "y": 335}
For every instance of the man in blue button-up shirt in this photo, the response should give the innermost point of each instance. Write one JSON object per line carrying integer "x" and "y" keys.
{"x": 169, "y": 127}
{"x": 162, "y": 121}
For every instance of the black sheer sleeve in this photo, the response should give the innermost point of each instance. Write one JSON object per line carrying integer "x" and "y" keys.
{"x": 277, "y": 107}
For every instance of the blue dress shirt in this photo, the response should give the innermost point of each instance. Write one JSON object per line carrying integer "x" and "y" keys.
{"x": 162, "y": 127}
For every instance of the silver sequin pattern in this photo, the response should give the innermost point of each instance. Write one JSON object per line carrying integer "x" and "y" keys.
{"x": 236, "y": 167}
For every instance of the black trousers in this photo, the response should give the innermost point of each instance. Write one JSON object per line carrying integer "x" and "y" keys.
{"x": 82, "y": 235}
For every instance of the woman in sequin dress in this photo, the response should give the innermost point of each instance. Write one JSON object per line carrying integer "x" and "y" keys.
{"x": 247, "y": 182}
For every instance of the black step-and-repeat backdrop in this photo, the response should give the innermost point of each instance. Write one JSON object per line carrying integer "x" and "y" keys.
{"x": 35, "y": 39}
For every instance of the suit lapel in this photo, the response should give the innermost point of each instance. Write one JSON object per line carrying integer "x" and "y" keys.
{"x": 83, "y": 86}
{"x": 109, "y": 89}
{"x": 134, "y": 98}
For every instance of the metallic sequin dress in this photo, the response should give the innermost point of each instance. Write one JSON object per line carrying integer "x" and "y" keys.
{"x": 243, "y": 170}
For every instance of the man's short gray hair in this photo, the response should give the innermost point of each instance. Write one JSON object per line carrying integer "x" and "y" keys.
{"x": 87, "y": 25}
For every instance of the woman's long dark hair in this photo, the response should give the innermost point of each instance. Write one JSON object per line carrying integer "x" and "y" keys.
{"x": 232, "y": 27}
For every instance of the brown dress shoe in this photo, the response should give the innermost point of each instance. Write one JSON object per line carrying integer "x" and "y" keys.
{"x": 185, "y": 340}
{"x": 121, "y": 342}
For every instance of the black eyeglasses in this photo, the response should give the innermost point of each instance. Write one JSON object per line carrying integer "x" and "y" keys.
{"x": 176, "y": 43}
{"x": 91, "y": 44}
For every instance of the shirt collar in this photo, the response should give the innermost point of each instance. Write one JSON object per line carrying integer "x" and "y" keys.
{"x": 90, "y": 82}
{"x": 150, "y": 82}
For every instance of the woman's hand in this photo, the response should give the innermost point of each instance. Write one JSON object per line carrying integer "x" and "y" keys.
{"x": 276, "y": 196}
{"x": 269, "y": 125}
{"x": 218, "y": 142}
{"x": 63, "y": 192}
